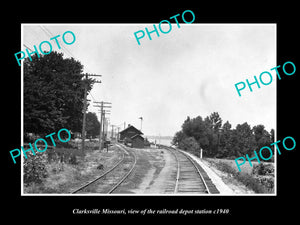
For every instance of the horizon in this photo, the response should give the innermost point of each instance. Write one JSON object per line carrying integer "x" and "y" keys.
{"x": 190, "y": 71}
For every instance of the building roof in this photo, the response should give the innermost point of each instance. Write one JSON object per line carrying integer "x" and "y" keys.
{"x": 137, "y": 136}
{"x": 131, "y": 127}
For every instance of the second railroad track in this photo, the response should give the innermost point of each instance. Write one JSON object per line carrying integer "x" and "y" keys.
{"x": 110, "y": 180}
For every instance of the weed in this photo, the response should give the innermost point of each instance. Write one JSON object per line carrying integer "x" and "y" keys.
{"x": 100, "y": 167}
{"x": 248, "y": 180}
{"x": 35, "y": 169}
{"x": 73, "y": 160}
{"x": 263, "y": 169}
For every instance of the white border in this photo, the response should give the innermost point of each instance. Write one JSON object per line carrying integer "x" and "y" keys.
{"x": 133, "y": 195}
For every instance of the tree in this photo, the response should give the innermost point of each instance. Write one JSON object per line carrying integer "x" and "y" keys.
{"x": 262, "y": 138}
{"x": 178, "y": 138}
{"x": 272, "y": 136}
{"x": 196, "y": 128}
{"x": 258, "y": 132}
{"x": 219, "y": 140}
{"x": 186, "y": 127}
{"x": 226, "y": 126}
{"x": 245, "y": 139}
{"x": 92, "y": 125}
{"x": 53, "y": 93}
{"x": 190, "y": 145}
{"x": 225, "y": 144}
{"x": 216, "y": 121}
{"x": 213, "y": 125}
{"x": 209, "y": 139}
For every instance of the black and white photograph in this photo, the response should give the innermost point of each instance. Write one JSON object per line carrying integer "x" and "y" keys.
{"x": 167, "y": 114}
{"x": 131, "y": 112}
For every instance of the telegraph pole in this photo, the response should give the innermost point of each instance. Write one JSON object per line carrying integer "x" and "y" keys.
{"x": 112, "y": 131}
{"x": 85, "y": 108}
{"x": 104, "y": 129}
{"x": 118, "y": 134}
{"x": 118, "y": 128}
{"x": 106, "y": 126}
{"x": 102, "y": 118}
{"x": 84, "y": 117}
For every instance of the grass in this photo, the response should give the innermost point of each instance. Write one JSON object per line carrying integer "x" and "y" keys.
{"x": 253, "y": 181}
{"x": 68, "y": 169}
{"x": 245, "y": 168}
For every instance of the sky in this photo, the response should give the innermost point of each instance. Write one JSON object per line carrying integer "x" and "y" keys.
{"x": 190, "y": 71}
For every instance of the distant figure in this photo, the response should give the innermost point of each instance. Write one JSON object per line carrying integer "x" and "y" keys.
{"x": 106, "y": 144}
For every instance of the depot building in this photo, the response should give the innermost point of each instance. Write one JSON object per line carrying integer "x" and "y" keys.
{"x": 132, "y": 136}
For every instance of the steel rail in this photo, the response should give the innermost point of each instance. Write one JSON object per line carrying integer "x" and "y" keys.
{"x": 102, "y": 175}
{"x": 204, "y": 182}
{"x": 178, "y": 168}
{"x": 127, "y": 174}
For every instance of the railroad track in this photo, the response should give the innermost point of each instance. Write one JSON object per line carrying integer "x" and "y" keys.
{"x": 190, "y": 178}
{"x": 111, "y": 179}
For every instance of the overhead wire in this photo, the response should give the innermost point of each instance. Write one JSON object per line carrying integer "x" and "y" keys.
{"x": 67, "y": 51}
{"x": 31, "y": 36}
{"x": 27, "y": 47}
{"x": 50, "y": 35}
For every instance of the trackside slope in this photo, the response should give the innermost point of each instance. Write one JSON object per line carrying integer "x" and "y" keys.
{"x": 220, "y": 185}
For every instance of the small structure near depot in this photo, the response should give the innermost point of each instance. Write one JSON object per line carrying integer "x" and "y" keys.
{"x": 137, "y": 141}
{"x": 133, "y": 137}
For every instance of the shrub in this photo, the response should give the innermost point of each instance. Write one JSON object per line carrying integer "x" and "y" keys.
{"x": 189, "y": 144}
{"x": 263, "y": 169}
{"x": 225, "y": 167}
{"x": 65, "y": 155}
{"x": 100, "y": 166}
{"x": 73, "y": 160}
{"x": 267, "y": 181}
{"x": 248, "y": 180}
{"x": 251, "y": 182}
{"x": 34, "y": 168}
{"x": 60, "y": 144}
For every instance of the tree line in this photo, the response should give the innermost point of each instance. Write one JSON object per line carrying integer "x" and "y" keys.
{"x": 221, "y": 140}
{"x": 54, "y": 95}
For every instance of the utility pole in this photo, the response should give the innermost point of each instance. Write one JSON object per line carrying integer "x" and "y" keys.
{"x": 102, "y": 118}
{"x": 118, "y": 135}
{"x": 104, "y": 128}
{"x": 84, "y": 118}
{"x": 118, "y": 128}
{"x": 85, "y": 108}
{"x": 112, "y": 131}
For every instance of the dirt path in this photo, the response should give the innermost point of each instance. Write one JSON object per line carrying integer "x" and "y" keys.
{"x": 161, "y": 184}
{"x": 149, "y": 164}
{"x": 158, "y": 172}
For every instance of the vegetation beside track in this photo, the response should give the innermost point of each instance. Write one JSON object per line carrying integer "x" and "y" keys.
{"x": 259, "y": 178}
{"x": 60, "y": 170}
